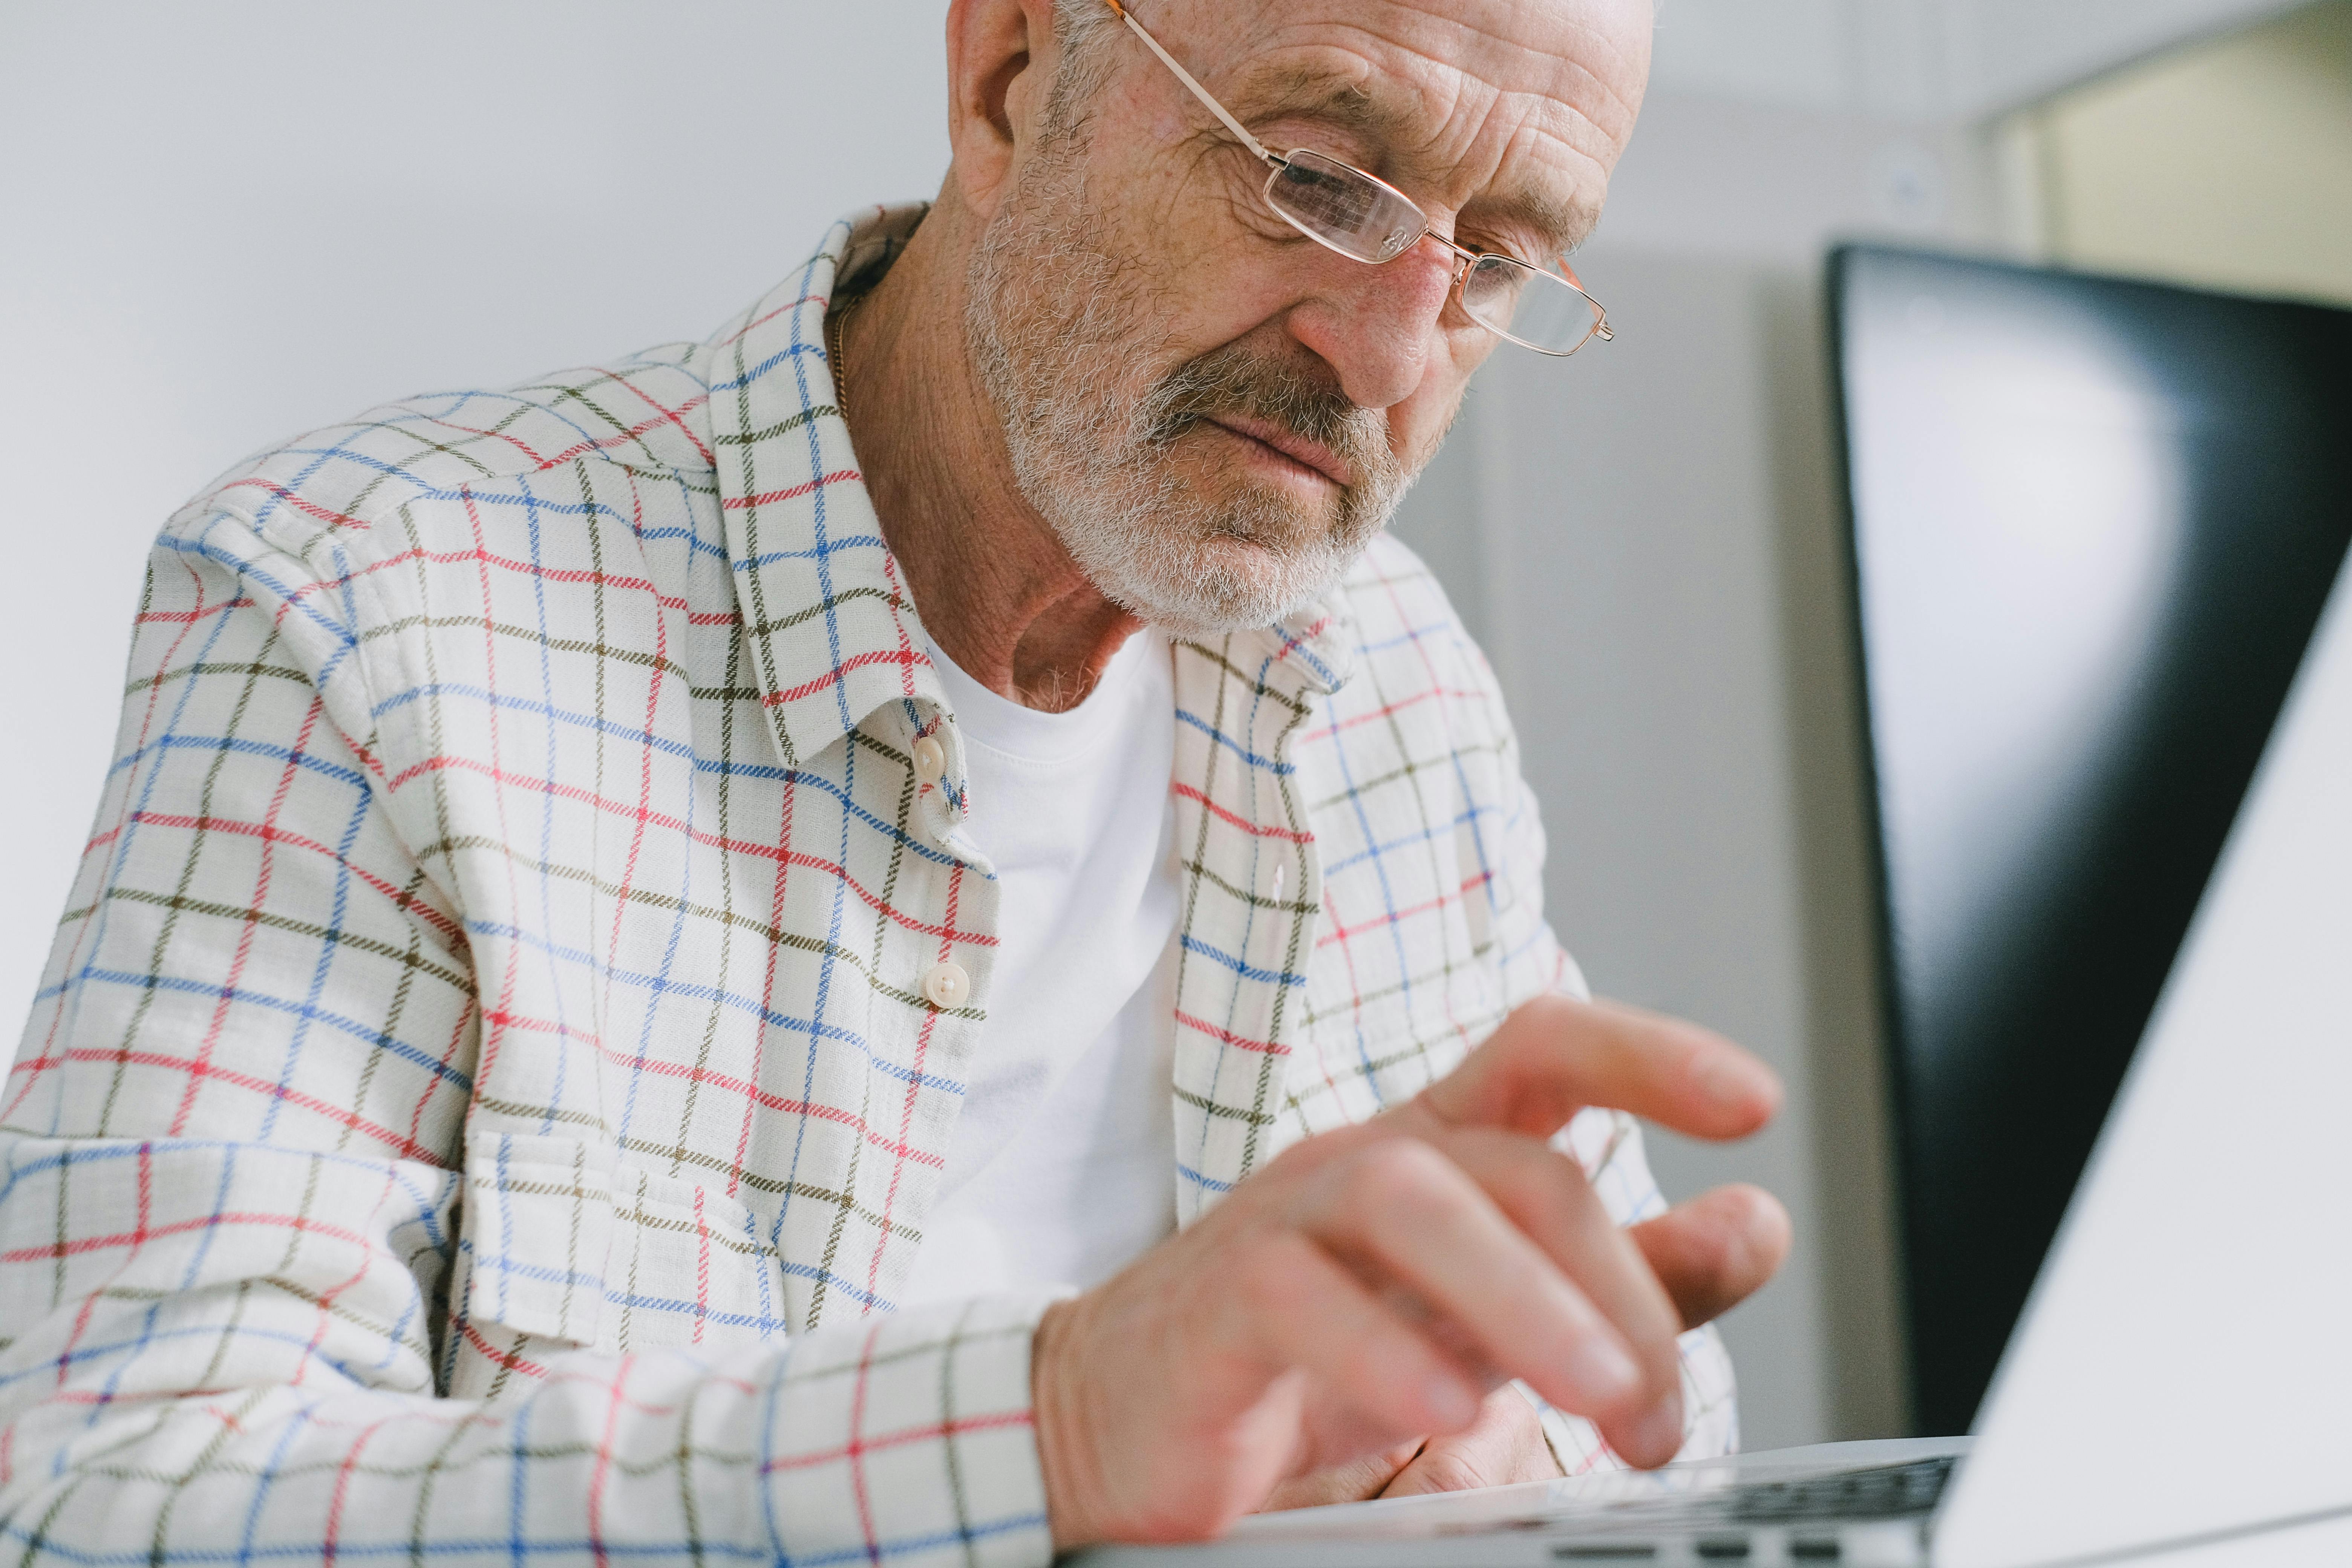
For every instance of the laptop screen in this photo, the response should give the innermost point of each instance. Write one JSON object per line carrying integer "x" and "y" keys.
{"x": 2181, "y": 1373}
{"x": 2093, "y": 525}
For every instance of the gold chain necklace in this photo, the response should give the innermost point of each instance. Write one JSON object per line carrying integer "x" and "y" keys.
{"x": 836, "y": 326}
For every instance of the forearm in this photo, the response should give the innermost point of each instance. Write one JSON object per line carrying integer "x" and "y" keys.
{"x": 188, "y": 1398}
{"x": 805, "y": 1455}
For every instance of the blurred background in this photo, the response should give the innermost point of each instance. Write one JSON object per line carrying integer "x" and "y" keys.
{"x": 228, "y": 223}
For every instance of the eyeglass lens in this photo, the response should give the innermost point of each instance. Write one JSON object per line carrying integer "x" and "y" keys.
{"x": 1528, "y": 305}
{"x": 1339, "y": 206}
{"x": 1357, "y": 215}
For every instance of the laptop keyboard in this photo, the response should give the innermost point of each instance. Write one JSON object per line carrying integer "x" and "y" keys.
{"x": 1882, "y": 1492}
{"x": 1890, "y": 1491}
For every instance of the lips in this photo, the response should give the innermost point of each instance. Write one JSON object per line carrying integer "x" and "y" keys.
{"x": 1297, "y": 447}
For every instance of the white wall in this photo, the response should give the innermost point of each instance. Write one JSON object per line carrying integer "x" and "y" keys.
{"x": 226, "y": 223}
{"x": 1925, "y": 61}
{"x": 2227, "y": 166}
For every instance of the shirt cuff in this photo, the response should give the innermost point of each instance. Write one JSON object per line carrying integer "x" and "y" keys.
{"x": 909, "y": 1438}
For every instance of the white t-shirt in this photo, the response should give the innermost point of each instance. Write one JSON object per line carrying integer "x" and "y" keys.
{"x": 1062, "y": 1168}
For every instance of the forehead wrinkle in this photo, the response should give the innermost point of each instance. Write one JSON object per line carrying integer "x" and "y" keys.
{"x": 1410, "y": 125}
{"x": 1546, "y": 140}
{"x": 1460, "y": 107}
{"x": 1337, "y": 97}
{"x": 1566, "y": 101}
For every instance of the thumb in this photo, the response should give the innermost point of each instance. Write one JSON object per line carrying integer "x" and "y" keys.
{"x": 1714, "y": 1251}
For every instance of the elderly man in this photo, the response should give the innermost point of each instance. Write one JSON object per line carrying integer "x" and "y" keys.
{"x": 894, "y": 935}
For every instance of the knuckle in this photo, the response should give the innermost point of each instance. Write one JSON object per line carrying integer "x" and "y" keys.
{"x": 1537, "y": 1178}
{"x": 1267, "y": 1274}
{"x": 1394, "y": 1173}
{"x": 1312, "y": 1153}
{"x": 1451, "y": 1469}
{"x": 1568, "y": 1174}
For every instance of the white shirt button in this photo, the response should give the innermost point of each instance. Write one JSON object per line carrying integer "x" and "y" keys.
{"x": 946, "y": 984}
{"x": 931, "y": 760}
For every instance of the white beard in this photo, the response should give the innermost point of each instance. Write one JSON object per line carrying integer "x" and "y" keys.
{"x": 1060, "y": 337}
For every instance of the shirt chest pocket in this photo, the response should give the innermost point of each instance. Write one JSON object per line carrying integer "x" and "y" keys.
{"x": 565, "y": 1244}
{"x": 688, "y": 1266}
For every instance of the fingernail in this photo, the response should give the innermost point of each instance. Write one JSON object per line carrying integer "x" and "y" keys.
{"x": 1658, "y": 1434}
{"x": 1606, "y": 1372}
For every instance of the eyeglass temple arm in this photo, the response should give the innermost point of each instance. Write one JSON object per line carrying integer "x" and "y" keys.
{"x": 1257, "y": 148}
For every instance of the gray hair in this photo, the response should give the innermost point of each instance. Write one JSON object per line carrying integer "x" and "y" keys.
{"x": 1083, "y": 28}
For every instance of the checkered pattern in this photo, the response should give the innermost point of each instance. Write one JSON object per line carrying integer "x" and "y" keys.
{"x": 482, "y": 1102}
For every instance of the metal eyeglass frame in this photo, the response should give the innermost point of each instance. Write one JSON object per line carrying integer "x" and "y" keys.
{"x": 1465, "y": 260}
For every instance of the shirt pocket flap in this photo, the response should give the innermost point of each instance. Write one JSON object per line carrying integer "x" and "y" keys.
{"x": 689, "y": 1266}
{"x": 539, "y": 1224}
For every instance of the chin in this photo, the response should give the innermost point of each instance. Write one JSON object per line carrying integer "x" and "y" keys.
{"x": 1196, "y": 586}
{"x": 1198, "y": 544}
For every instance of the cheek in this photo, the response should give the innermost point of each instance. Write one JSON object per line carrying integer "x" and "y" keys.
{"x": 1164, "y": 123}
{"x": 1209, "y": 292}
{"x": 1210, "y": 254}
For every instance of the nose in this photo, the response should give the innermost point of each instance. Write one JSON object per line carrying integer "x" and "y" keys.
{"x": 1377, "y": 326}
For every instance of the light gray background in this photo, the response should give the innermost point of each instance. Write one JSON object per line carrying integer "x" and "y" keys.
{"x": 225, "y": 224}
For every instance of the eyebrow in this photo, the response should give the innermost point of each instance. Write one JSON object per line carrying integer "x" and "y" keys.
{"x": 1563, "y": 225}
{"x": 1305, "y": 93}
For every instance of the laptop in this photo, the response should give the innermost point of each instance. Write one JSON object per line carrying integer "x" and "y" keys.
{"x": 2179, "y": 1387}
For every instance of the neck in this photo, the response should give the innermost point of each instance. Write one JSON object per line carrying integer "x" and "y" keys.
{"x": 996, "y": 590}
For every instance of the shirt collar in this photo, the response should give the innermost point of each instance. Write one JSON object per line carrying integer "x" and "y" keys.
{"x": 825, "y": 609}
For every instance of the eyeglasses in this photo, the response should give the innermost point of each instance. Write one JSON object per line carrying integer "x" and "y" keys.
{"x": 1367, "y": 219}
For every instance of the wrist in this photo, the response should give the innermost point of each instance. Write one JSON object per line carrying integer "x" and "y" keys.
{"x": 1066, "y": 1449}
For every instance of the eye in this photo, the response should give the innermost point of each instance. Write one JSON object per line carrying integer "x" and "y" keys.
{"x": 1516, "y": 246}
{"x": 1247, "y": 197}
{"x": 1257, "y": 217}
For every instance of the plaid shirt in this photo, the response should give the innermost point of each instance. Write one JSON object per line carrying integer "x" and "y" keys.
{"x": 484, "y": 1094}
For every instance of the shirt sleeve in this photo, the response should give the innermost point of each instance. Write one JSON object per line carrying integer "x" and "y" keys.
{"x": 1606, "y": 1143}
{"x": 233, "y": 1199}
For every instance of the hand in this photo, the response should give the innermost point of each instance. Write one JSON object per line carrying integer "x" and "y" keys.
{"x": 1504, "y": 1445}
{"x": 1367, "y": 1289}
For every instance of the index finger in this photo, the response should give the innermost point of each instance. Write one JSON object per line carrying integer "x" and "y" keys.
{"x": 1555, "y": 1055}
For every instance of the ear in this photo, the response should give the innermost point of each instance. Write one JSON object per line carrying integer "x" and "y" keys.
{"x": 1002, "y": 56}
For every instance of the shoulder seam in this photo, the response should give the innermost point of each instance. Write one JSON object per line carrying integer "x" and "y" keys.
{"x": 531, "y": 392}
{"x": 357, "y": 662}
